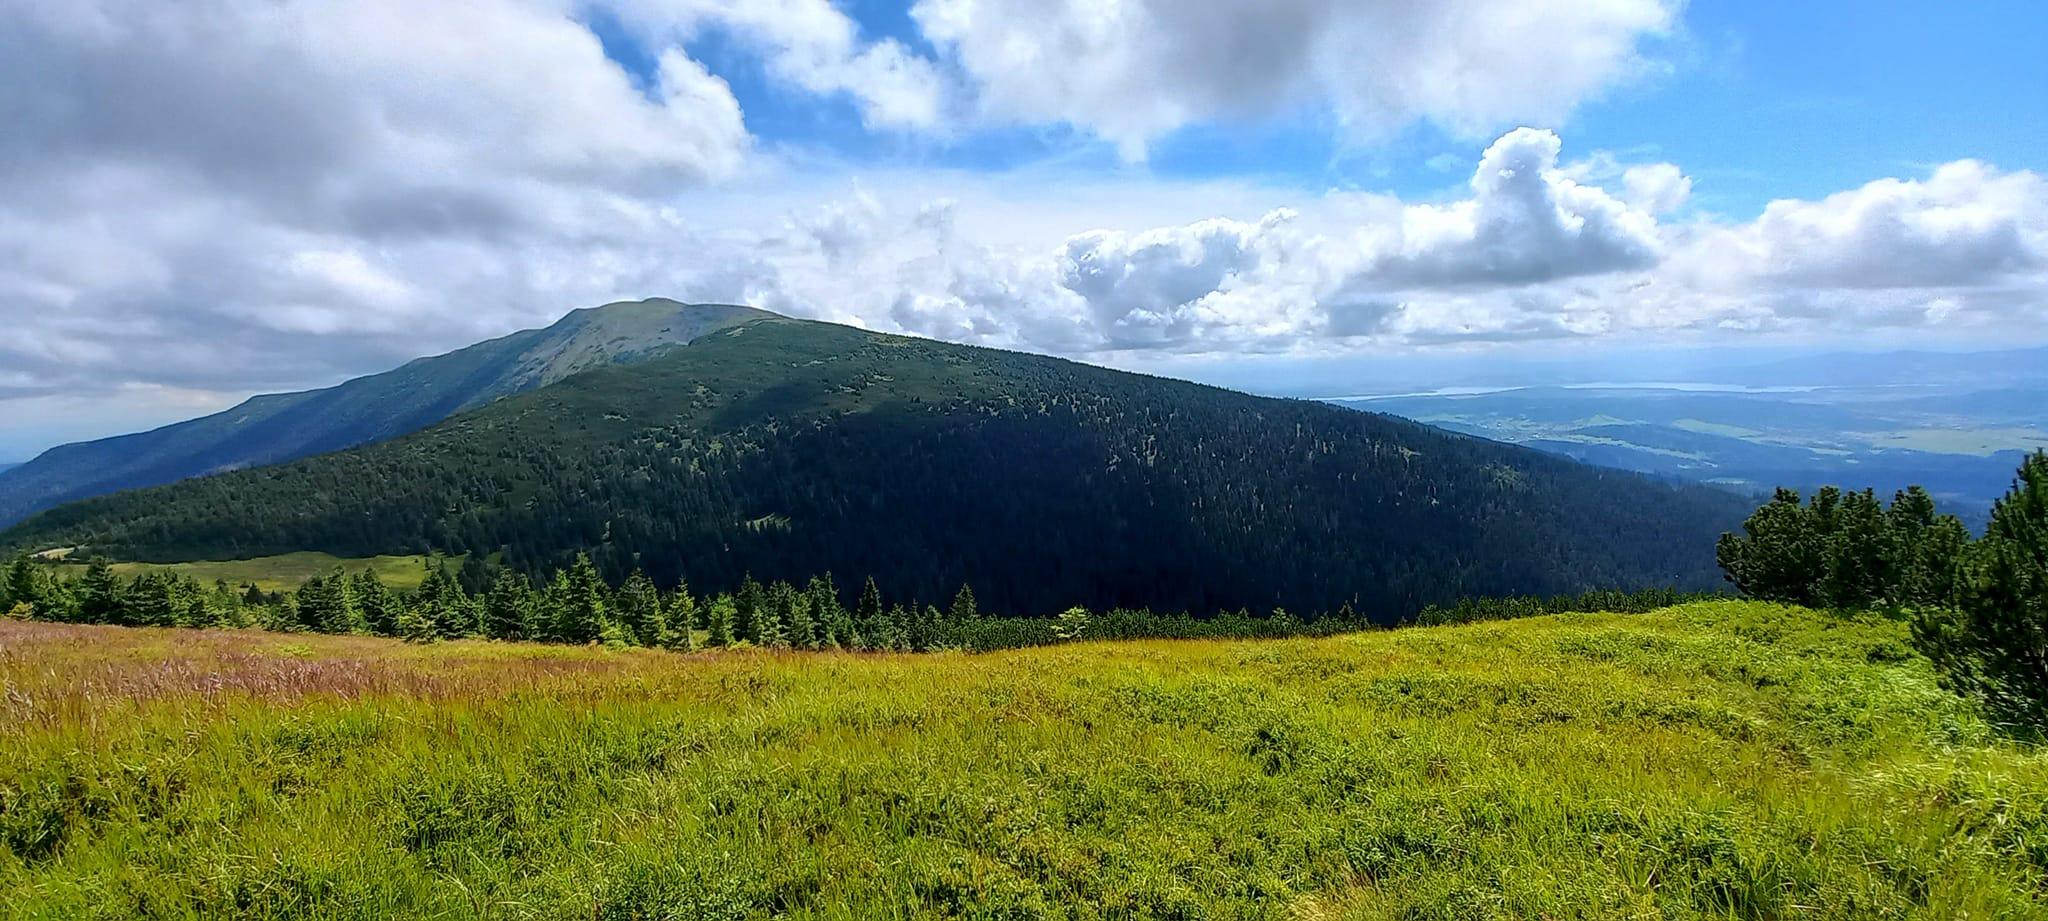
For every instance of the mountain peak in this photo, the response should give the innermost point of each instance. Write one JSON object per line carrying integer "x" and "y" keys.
{"x": 273, "y": 428}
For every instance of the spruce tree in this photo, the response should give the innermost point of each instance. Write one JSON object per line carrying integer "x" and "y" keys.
{"x": 376, "y": 604}
{"x": 718, "y": 618}
{"x": 19, "y": 587}
{"x": 508, "y": 608}
{"x": 964, "y": 608}
{"x": 197, "y": 612}
{"x": 833, "y": 630}
{"x": 867, "y": 618}
{"x": 795, "y": 608}
{"x": 442, "y": 599}
{"x": 747, "y": 604}
{"x": 639, "y": 610}
{"x": 680, "y": 617}
{"x": 551, "y": 607}
{"x": 326, "y": 605}
{"x": 768, "y": 629}
{"x": 152, "y": 600}
{"x": 584, "y": 614}
{"x": 101, "y": 595}
{"x": 417, "y": 624}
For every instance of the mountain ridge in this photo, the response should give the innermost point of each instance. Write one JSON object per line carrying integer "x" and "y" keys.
{"x": 781, "y": 448}
{"x": 278, "y": 427}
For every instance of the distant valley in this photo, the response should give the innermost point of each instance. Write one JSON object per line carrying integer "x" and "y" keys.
{"x": 1956, "y": 424}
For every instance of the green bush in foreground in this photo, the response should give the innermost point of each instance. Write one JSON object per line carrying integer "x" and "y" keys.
{"x": 1993, "y": 644}
{"x": 1979, "y": 608}
{"x": 1711, "y": 761}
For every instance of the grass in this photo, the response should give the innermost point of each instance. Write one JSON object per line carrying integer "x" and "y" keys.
{"x": 289, "y": 570}
{"x": 1716, "y": 760}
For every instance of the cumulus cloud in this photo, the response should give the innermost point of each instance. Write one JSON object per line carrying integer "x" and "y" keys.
{"x": 1966, "y": 224}
{"x": 1164, "y": 285}
{"x": 208, "y": 186}
{"x": 1525, "y": 222}
{"x": 811, "y": 45}
{"x": 1131, "y": 71}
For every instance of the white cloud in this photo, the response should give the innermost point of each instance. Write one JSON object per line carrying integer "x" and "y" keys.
{"x": 812, "y": 45}
{"x": 1131, "y": 71}
{"x": 199, "y": 189}
{"x": 1166, "y": 285}
{"x": 1966, "y": 224}
{"x": 1526, "y": 222}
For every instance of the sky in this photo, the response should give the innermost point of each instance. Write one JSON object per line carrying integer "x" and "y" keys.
{"x": 205, "y": 200}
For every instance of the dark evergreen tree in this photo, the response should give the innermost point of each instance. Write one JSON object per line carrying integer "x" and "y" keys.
{"x": 509, "y": 607}
{"x": 153, "y": 600}
{"x": 1779, "y": 555}
{"x": 551, "y": 605}
{"x": 681, "y": 620}
{"x": 718, "y": 618}
{"x": 1995, "y": 645}
{"x": 378, "y": 607}
{"x": 442, "y": 599}
{"x": 1857, "y": 575}
{"x": 746, "y": 605}
{"x": 326, "y": 605}
{"x": 17, "y": 587}
{"x": 583, "y": 609}
{"x": 928, "y": 630}
{"x": 794, "y": 607}
{"x": 833, "y": 628}
{"x": 101, "y": 596}
{"x": 639, "y": 610}
{"x": 964, "y": 609}
{"x": 867, "y": 618}
{"x": 767, "y": 626}
{"x": 1925, "y": 551}
{"x": 476, "y": 575}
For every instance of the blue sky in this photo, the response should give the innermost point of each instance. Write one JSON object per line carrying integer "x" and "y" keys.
{"x": 1760, "y": 100}
{"x": 202, "y": 203}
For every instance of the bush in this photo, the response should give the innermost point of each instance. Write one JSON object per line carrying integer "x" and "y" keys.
{"x": 1994, "y": 644}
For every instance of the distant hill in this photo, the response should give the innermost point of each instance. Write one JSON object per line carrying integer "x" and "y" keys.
{"x": 1959, "y": 441}
{"x": 285, "y": 426}
{"x": 783, "y": 448}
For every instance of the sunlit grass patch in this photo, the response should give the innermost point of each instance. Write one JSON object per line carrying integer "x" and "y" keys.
{"x": 1719, "y": 760}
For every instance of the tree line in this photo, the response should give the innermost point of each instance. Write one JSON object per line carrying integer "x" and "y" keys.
{"x": 1978, "y": 606}
{"x": 577, "y": 605}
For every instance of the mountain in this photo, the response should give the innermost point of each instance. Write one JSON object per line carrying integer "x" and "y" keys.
{"x": 783, "y": 448}
{"x": 285, "y": 426}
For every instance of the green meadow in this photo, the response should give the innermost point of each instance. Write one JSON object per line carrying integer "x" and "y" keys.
{"x": 1713, "y": 760}
{"x": 286, "y": 571}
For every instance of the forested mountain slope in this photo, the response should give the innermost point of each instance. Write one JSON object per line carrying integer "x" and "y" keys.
{"x": 785, "y": 448}
{"x": 285, "y": 426}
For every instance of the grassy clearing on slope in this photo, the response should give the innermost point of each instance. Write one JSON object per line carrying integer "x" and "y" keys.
{"x": 1717, "y": 760}
{"x": 289, "y": 570}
